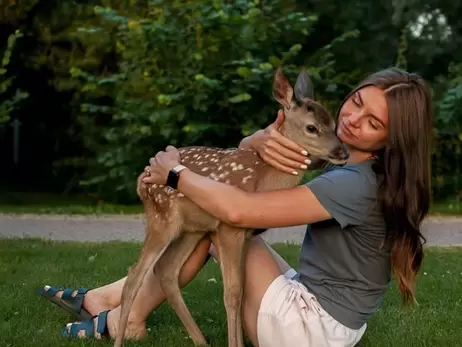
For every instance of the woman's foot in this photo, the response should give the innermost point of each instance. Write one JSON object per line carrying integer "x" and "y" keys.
{"x": 82, "y": 302}
{"x": 104, "y": 325}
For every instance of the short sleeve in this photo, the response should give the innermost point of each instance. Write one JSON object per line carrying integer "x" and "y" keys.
{"x": 347, "y": 193}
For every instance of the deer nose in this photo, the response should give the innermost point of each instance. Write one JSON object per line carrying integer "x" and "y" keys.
{"x": 339, "y": 153}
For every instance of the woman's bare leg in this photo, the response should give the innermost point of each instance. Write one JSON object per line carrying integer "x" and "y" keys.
{"x": 148, "y": 298}
{"x": 263, "y": 265}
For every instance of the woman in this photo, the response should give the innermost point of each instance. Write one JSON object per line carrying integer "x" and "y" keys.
{"x": 364, "y": 224}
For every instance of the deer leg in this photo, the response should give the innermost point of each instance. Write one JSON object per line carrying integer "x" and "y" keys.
{"x": 154, "y": 245}
{"x": 167, "y": 271}
{"x": 231, "y": 244}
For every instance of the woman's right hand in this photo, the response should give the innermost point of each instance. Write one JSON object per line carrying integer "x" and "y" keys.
{"x": 277, "y": 150}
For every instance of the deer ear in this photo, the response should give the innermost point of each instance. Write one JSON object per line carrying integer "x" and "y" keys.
{"x": 304, "y": 86}
{"x": 282, "y": 90}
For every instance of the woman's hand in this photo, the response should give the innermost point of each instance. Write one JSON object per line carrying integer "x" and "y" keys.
{"x": 277, "y": 150}
{"x": 160, "y": 165}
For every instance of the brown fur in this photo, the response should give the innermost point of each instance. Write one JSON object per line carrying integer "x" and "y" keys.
{"x": 175, "y": 225}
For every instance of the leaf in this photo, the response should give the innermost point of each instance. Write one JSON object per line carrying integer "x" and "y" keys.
{"x": 244, "y": 71}
{"x": 240, "y": 98}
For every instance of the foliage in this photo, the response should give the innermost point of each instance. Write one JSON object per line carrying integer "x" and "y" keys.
{"x": 448, "y": 131}
{"x": 115, "y": 81}
{"x": 192, "y": 72}
{"x": 8, "y": 104}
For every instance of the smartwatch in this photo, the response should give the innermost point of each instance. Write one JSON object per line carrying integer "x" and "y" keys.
{"x": 174, "y": 176}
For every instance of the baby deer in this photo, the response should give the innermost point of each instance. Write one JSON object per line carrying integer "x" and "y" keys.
{"x": 175, "y": 225}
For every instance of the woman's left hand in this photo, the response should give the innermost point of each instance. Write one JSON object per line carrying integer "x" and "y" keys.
{"x": 160, "y": 165}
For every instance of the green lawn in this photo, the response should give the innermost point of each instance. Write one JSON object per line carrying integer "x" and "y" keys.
{"x": 44, "y": 203}
{"x": 11, "y": 202}
{"x": 28, "y": 320}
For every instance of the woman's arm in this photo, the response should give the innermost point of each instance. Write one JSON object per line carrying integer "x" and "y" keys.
{"x": 254, "y": 210}
{"x": 234, "y": 206}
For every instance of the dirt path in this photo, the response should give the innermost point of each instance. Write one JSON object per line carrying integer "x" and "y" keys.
{"x": 440, "y": 231}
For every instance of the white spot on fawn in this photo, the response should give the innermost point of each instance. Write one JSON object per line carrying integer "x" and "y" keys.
{"x": 246, "y": 178}
{"x": 237, "y": 167}
{"x": 224, "y": 174}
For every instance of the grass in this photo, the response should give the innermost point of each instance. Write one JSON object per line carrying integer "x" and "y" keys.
{"x": 28, "y": 320}
{"x": 44, "y": 203}
{"x": 39, "y": 203}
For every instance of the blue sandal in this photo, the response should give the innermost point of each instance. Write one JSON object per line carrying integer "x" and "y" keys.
{"x": 68, "y": 302}
{"x": 89, "y": 327}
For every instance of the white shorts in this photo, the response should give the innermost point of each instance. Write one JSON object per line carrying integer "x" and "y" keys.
{"x": 290, "y": 316}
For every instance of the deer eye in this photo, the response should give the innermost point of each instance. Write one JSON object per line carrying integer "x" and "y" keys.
{"x": 311, "y": 129}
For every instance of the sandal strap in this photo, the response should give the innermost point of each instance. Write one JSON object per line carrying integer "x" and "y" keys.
{"x": 75, "y": 300}
{"x": 89, "y": 327}
{"x": 101, "y": 327}
{"x": 51, "y": 291}
{"x": 67, "y": 293}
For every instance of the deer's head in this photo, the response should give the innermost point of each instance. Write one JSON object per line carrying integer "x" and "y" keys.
{"x": 307, "y": 122}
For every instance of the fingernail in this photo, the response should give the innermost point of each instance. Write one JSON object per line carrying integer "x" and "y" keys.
{"x": 304, "y": 152}
{"x": 307, "y": 161}
{"x": 295, "y": 173}
{"x": 304, "y": 167}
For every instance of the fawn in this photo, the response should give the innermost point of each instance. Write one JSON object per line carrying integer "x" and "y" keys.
{"x": 175, "y": 225}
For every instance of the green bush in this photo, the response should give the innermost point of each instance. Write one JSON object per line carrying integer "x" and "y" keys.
{"x": 198, "y": 72}
{"x": 8, "y": 103}
{"x": 447, "y": 154}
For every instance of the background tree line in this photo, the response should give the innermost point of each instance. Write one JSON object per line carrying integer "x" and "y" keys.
{"x": 90, "y": 89}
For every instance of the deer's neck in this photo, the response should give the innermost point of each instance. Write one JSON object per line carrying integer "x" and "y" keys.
{"x": 273, "y": 177}
{"x": 285, "y": 131}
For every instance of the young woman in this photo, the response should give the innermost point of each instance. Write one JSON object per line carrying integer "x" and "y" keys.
{"x": 364, "y": 224}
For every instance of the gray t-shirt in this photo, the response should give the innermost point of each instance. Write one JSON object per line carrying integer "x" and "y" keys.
{"x": 345, "y": 262}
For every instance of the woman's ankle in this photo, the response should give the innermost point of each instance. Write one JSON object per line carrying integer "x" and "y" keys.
{"x": 97, "y": 301}
{"x": 136, "y": 327}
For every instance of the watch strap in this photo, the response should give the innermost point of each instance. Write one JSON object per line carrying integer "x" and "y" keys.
{"x": 174, "y": 176}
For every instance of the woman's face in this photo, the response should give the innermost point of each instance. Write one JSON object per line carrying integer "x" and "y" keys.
{"x": 363, "y": 120}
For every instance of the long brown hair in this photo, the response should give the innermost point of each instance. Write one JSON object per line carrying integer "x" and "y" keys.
{"x": 405, "y": 170}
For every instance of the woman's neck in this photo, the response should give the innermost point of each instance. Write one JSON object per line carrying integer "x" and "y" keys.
{"x": 357, "y": 156}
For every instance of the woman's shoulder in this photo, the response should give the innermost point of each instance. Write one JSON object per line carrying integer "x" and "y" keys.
{"x": 347, "y": 192}
{"x": 361, "y": 173}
